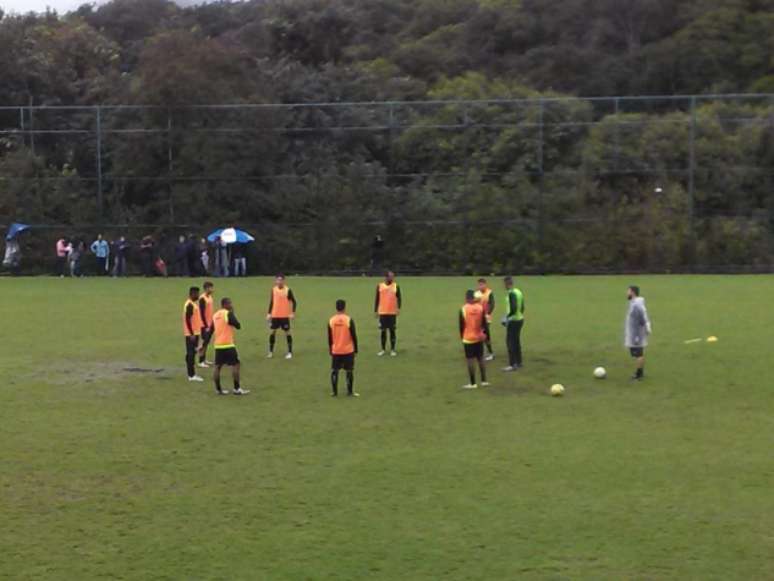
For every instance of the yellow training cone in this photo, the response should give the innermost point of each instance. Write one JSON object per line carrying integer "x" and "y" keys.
{"x": 712, "y": 339}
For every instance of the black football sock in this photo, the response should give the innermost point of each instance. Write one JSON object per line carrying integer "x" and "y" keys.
{"x": 272, "y": 340}
{"x": 384, "y": 339}
{"x": 640, "y": 372}
{"x": 335, "y": 381}
{"x": 393, "y": 339}
{"x": 350, "y": 382}
{"x": 217, "y": 384}
{"x": 236, "y": 384}
{"x": 290, "y": 343}
{"x": 482, "y": 369}
{"x": 489, "y": 346}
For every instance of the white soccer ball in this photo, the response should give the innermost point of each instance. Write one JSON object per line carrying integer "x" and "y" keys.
{"x": 600, "y": 373}
{"x": 557, "y": 390}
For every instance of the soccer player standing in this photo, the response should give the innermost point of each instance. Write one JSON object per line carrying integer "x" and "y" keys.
{"x": 192, "y": 329}
{"x": 486, "y": 296}
{"x": 387, "y": 307}
{"x": 206, "y": 310}
{"x": 514, "y": 322}
{"x": 473, "y": 332}
{"x": 224, "y": 323}
{"x": 636, "y": 330}
{"x": 282, "y": 308}
{"x": 342, "y": 344}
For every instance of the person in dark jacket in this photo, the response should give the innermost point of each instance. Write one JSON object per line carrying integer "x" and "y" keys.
{"x": 180, "y": 266}
{"x": 120, "y": 251}
{"x": 147, "y": 248}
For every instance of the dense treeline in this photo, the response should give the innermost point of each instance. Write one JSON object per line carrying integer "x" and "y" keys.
{"x": 551, "y": 185}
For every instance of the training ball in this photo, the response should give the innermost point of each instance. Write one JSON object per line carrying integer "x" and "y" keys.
{"x": 557, "y": 390}
{"x": 600, "y": 373}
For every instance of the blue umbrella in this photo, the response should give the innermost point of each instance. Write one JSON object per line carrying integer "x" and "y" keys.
{"x": 15, "y": 229}
{"x": 231, "y": 235}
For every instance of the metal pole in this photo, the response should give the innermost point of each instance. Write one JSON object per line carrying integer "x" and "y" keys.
{"x": 617, "y": 134}
{"x": 99, "y": 162}
{"x": 692, "y": 166}
{"x": 21, "y": 125}
{"x": 32, "y": 132}
{"x": 169, "y": 168}
{"x": 541, "y": 185}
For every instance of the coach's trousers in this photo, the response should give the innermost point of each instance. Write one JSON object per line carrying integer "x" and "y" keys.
{"x": 513, "y": 341}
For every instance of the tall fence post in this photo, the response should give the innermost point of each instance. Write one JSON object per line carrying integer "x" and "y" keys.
{"x": 99, "y": 162}
{"x": 541, "y": 185}
{"x": 32, "y": 128}
{"x": 617, "y": 134}
{"x": 21, "y": 125}
{"x": 169, "y": 169}
{"x": 692, "y": 169}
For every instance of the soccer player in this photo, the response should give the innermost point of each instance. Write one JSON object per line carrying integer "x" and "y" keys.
{"x": 282, "y": 308}
{"x": 206, "y": 310}
{"x": 514, "y": 322}
{"x": 192, "y": 329}
{"x": 224, "y": 322}
{"x": 486, "y": 296}
{"x": 637, "y": 328}
{"x": 342, "y": 344}
{"x": 473, "y": 332}
{"x": 387, "y": 308}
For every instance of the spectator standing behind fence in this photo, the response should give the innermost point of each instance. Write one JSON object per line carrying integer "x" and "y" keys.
{"x": 180, "y": 265}
{"x": 240, "y": 260}
{"x": 204, "y": 256}
{"x": 77, "y": 249}
{"x": 146, "y": 255}
{"x": 101, "y": 249}
{"x": 192, "y": 256}
{"x": 120, "y": 250}
{"x": 61, "y": 257}
{"x": 222, "y": 260}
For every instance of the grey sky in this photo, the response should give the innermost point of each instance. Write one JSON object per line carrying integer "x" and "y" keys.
{"x": 21, "y": 6}
{"x": 61, "y": 6}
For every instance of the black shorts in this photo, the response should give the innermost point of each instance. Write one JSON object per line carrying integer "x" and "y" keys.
{"x": 474, "y": 350}
{"x": 283, "y": 324}
{"x": 388, "y": 321}
{"x": 637, "y": 351}
{"x": 227, "y": 356}
{"x": 346, "y": 362}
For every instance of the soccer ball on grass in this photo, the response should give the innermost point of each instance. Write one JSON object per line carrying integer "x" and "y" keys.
{"x": 557, "y": 390}
{"x": 600, "y": 373}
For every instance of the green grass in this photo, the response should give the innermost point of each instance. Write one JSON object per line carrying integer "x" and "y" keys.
{"x": 110, "y": 474}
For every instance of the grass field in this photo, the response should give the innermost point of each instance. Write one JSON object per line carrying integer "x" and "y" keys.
{"x": 114, "y": 474}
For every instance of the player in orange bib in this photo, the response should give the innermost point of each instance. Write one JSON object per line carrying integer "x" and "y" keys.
{"x": 387, "y": 308}
{"x": 206, "y": 310}
{"x": 192, "y": 330}
{"x": 342, "y": 344}
{"x": 224, "y": 323}
{"x": 282, "y": 308}
{"x": 486, "y": 296}
{"x": 473, "y": 332}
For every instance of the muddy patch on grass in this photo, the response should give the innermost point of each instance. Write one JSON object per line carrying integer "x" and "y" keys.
{"x": 88, "y": 372}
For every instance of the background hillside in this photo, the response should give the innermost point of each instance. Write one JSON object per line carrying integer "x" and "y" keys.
{"x": 414, "y": 173}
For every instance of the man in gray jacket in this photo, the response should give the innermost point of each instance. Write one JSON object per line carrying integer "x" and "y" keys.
{"x": 636, "y": 330}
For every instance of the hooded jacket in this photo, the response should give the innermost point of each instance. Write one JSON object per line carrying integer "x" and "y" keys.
{"x": 637, "y": 325}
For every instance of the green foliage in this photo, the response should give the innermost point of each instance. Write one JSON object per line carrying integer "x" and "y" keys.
{"x": 564, "y": 182}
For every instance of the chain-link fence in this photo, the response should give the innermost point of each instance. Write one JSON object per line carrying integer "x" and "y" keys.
{"x": 679, "y": 183}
